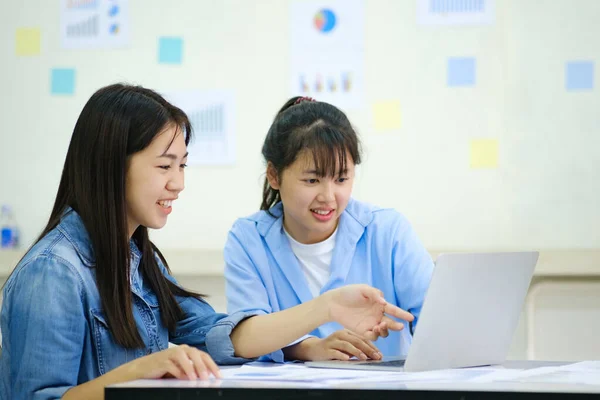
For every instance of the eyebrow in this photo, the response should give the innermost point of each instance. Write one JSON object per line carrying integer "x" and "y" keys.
{"x": 314, "y": 171}
{"x": 172, "y": 156}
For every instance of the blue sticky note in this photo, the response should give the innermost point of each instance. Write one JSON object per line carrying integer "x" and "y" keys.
{"x": 170, "y": 50}
{"x": 62, "y": 81}
{"x": 461, "y": 71}
{"x": 579, "y": 75}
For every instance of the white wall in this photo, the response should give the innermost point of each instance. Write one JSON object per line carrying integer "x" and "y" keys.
{"x": 543, "y": 195}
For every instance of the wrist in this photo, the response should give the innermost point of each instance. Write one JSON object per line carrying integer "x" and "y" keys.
{"x": 129, "y": 371}
{"x": 302, "y": 350}
{"x": 325, "y": 306}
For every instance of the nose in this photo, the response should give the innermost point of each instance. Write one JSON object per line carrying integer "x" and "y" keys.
{"x": 327, "y": 194}
{"x": 176, "y": 183}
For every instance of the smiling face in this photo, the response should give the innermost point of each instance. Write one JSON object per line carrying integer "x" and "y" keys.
{"x": 154, "y": 179}
{"x": 312, "y": 204}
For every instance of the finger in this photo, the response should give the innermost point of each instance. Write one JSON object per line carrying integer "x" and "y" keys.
{"x": 339, "y": 334}
{"x": 212, "y": 365}
{"x": 174, "y": 370}
{"x": 185, "y": 364}
{"x": 383, "y": 329}
{"x": 350, "y": 349}
{"x": 365, "y": 346}
{"x": 398, "y": 312}
{"x": 373, "y": 294}
{"x": 367, "y": 342}
{"x": 200, "y": 368}
{"x": 376, "y": 330}
{"x": 337, "y": 355}
{"x": 394, "y": 325}
{"x": 370, "y": 335}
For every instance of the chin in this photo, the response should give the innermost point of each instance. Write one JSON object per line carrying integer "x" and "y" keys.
{"x": 156, "y": 224}
{"x": 323, "y": 228}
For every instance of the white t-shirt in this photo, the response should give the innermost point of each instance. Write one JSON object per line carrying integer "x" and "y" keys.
{"x": 315, "y": 260}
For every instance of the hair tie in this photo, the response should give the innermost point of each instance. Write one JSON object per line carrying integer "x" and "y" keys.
{"x": 302, "y": 99}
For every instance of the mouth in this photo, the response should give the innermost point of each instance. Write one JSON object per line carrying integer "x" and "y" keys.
{"x": 165, "y": 203}
{"x": 321, "y": 211}
{"x": 322, "y": 215}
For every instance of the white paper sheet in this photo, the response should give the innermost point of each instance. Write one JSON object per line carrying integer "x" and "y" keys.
{"x": 212, "y": 115}
{"x": 88, "y": 24}
{"x": 587, "y": 373}
{"x": 327, "y": 51}
{"x": 455, "y": 12}
{"x": 295, "y": 372}
{"x": 292, "y": 372}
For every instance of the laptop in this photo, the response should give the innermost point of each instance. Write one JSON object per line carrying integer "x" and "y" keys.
{"x": 469, "y": 315}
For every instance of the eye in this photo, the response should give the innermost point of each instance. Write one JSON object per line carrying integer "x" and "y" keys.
{"x": 342, "y": 180}
{"x": 183, "y": 166}
{"x": 165, "y": 167}
{"x": 312, "y": 181}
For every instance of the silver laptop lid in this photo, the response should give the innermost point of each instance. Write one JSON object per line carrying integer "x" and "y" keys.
{"x": 471, "y": 310}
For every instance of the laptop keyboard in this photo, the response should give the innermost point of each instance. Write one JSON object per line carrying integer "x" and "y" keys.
{"x": 392, "y": 363}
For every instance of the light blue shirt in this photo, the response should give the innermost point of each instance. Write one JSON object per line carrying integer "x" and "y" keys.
{"x": 55, "y": 335}
{"x": 374, "y": 246}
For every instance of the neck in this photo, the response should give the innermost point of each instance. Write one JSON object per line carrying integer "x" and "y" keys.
{"x": 131, "y": 228}
{"x": 306, "y": 236}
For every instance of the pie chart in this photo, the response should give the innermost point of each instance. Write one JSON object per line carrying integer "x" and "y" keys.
{"x": 325, "y": 20}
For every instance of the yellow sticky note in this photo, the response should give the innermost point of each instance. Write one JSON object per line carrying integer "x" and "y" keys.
{"x": 484, "y": 153}
{"x": 27, "y": 42}
{"x": 386, "y": 115}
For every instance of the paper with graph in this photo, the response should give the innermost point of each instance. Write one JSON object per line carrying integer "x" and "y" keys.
{"x": 89, "y": 24}
{"x": 327, "y": 51}
{"x": 211, "y": 113}
{"x": 455, "y": 12}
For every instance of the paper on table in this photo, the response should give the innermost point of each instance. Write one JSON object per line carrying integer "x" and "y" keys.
{"x": 295, "y": 372}
{"x": 591, "y": 366}
{"x": 291, "y": 372}
{"x": 586, "y": 372}
{"x": 478, "y": 374}
{"x": 570, "y": 377}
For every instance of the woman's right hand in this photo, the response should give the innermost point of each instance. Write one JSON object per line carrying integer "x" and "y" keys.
{"x": 362, "y": 308}
{"x": 181, "y": 362}
{"x": 340, "y": 345}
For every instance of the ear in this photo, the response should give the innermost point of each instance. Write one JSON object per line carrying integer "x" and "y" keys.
{"x": 272, "y": 176}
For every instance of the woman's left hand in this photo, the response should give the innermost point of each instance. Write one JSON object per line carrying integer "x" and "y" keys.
{"x": 362, "y": 309}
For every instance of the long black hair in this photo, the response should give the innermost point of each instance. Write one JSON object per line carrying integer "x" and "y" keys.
{"x": 303, "y": 124}
{"x": 117, "y": 121}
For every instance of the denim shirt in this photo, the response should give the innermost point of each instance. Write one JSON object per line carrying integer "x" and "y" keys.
{"x": 55, "y": 334}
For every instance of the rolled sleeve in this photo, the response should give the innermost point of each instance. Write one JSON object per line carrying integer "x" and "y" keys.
{"x": 206, "y": 329}
{"x": 218, "y": 339}
{"x": 246, "y": 292}
{"x": 51, "y": 393}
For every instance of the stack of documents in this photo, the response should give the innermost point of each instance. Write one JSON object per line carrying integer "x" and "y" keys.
{"x": 587, "y": 372}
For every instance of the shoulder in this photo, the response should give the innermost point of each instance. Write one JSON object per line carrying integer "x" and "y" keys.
{"x": 54, "y": 258}
{"x": 257, "y": 223}
{"x": 374, "y": 217}
{"x": 51, "y": 266}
